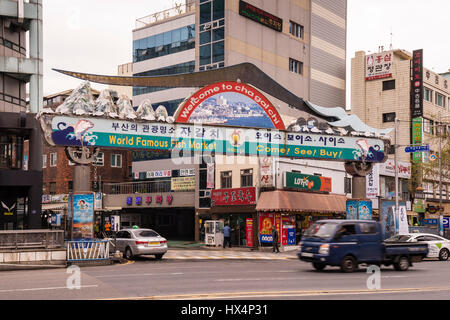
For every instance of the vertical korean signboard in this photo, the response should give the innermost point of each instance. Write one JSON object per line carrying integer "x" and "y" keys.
{"x": 249, "y": 231}
{"x": 416, "y": 100}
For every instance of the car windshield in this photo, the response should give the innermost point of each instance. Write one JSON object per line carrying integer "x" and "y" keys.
{"x": 399, "y": 238}
{"x": 321, "y": 230}
{"x": 145, "y": 233}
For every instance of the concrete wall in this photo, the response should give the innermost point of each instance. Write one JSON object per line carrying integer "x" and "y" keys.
{"x": 34, "y": 257}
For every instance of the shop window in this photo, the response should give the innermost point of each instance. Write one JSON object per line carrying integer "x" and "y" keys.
{"x": 247, "y": 178}
{"x": 225, "y": 180}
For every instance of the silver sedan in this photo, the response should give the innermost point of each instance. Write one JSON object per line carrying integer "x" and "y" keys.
{"x": 137, "y": 242}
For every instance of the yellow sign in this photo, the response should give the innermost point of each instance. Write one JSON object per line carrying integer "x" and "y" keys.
{"x": 183, "y": 184}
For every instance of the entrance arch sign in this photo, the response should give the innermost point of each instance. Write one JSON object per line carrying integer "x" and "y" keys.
{"x": 99, "y": 132}
{"x": 230, "y": 103}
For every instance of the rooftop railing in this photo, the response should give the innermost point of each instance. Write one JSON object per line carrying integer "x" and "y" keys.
{"x": 137, "y": 187}
{"x": 165, "y": 14}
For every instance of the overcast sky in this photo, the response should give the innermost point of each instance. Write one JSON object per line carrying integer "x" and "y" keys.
{"x": 95, "y": 36}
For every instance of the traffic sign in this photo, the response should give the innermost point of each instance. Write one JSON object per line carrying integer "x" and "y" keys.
{"x": 432, "y": 157}
{"x": 446, "y": 222}
{"x": 417, "y": 148}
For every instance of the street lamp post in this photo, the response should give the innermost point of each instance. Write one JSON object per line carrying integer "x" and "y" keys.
{"x": 396, "y": 174}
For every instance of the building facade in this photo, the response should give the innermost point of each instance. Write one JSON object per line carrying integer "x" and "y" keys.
{"x": 300, "y": 44}
{"x": 20, "y": 138}
{"x": 378, "y": 97}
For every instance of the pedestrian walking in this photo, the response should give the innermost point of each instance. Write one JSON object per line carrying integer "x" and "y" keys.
{"x": 97, "y": 230}
{"x": 226, "y": 236}
{"x": 275, "y": 240}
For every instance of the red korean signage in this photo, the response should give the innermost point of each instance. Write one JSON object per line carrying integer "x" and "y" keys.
{"x": 237, "y": 196}
{"x": 379, "y": 65}
{"x": 249, "y": 231}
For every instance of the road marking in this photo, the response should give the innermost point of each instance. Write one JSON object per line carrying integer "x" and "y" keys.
{"x": 234, "y": 295}
{"x": 49, "y": 288}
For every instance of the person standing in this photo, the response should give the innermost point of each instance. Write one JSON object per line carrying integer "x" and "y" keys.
{"x": 275, "y": 240}
{"x": 226, "y": 236}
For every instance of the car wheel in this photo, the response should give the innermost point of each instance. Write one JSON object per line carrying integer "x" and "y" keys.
{"x": 128, "y": 253}
{"x": 443, "y": 255}
{"x": 158, "y": 256}
{"x": 402, "y": 264}
{"x": 319, "y": 265}
{"x": 349, "y": 264}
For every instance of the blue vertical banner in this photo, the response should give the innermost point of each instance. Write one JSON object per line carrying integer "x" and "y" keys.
{"x": 83, "y": 216}
{"x": 364, "y": 210}
{"x": 352, "y": 209}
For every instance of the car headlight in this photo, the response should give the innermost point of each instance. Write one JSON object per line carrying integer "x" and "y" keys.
{"x": 324, "y": 249}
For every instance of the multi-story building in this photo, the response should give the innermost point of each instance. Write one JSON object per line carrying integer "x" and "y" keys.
{"x": 299, "y": 43}
{"x": 20, "y": 137}
{"x": 380, "y": 94}
{"x": 110, "y": 166}
{"x": 125, "y": 69}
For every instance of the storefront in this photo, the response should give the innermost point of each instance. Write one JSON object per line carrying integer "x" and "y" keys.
{"x": 235, "y": 207}
{"x": 295, "y": 211}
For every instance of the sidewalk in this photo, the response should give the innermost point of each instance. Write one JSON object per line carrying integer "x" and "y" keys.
{"x": 197, "y": 251}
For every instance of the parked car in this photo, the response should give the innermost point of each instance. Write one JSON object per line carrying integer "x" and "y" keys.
{"x": 438, "y": 247}
{"x": 348, "y": 243}
{"x": 137, "y": 242}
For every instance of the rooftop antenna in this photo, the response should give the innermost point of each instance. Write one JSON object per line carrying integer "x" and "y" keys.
{"x": 390, "y": 45}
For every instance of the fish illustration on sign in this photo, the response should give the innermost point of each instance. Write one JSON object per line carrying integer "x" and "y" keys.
{"x": 81, "y": 127}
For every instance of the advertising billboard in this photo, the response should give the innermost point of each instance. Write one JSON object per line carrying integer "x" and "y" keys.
{"x": 307, "y": 182}
{"x": 379, "y": 65}
{"x": 83, "y": 216}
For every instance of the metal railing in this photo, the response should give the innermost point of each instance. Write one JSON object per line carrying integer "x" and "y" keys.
{"x": 137, "y": 187}
{"x": 165, "y": 14}
{"x": 31, "y": 239}
{"x": 87, "y": 250}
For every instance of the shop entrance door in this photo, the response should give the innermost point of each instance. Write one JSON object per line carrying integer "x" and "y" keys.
{"x": 238, "y": 224}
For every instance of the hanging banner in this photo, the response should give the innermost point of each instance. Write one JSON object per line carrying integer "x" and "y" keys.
{"x": 95, "y": 132}
{"x": 266, "y": 165}
{"x": 210, "y": 176}
{"x": 83, "y": 216}
{"x": 98, "y": 201}
{"x": 182, "y": 184}
{"x": 373, "y": 182}
{"x": 249, "y": 231}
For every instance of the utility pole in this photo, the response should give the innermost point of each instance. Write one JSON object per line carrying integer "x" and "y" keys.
{"x": 441, "y": 227}
{"x": 396, "y": 215}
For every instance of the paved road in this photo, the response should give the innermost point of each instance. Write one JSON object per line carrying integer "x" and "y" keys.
{"x": 147, "y": 278}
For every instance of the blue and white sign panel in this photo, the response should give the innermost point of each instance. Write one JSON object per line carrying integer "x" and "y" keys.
{"x": 417, "y": 148}
{"x": 446, "y": 222}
